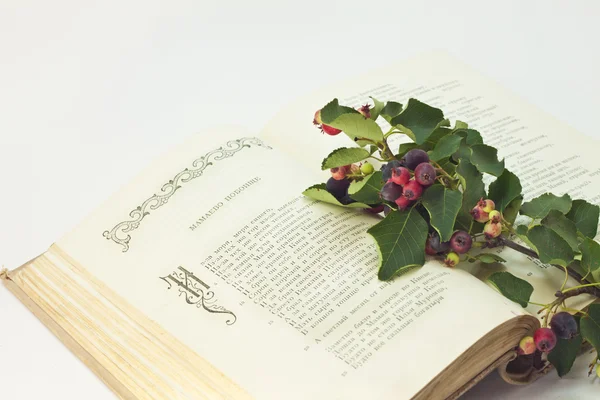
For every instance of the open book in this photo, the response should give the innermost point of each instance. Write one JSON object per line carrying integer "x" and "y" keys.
{"x": 211, "y": 277}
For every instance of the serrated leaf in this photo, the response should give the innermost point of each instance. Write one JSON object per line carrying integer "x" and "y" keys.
{"x": 351, "y": 122}
{"x": 471, "y": 136}
{"x": 542, "y": 205}
{"x": 511, "y": 211}
{"x": 435, "y": 137}
{"x": 522, "y": 232}
{"x": 513, "y": 288}
{"x": 443, "y": 205}
{"x": 367, "y": 190}
{"x": 485, "y": 158}
{"x": 505, "y": 189}
{"x": 489, "y": 258}
{"x": 319, "y": 192}
{"x": 564, "y": 353}
{"x": 473, "y": 190}
{"x": 344, "y": 156}
{"x": 400, "y": 240}
{"x": 589, "y": 326}
{"x": 585, "y": 215}
{"x": 390, "y": 110}
{"x": 590, "y": 257}
{"x": 418, "y": 120}
{"x": 565, "y": 228}
{"x": 551, "y": 248}
{"x": 445, "y": 147}
{"x": 377, "y": 107}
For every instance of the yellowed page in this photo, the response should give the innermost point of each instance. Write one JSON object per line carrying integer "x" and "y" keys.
{"x": 544, "y": 153}
{"x": 275, "y": 290}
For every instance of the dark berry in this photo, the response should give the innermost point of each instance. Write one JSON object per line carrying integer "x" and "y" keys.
{"x": 339, "y": 189}
{"x": 387, "y": 169}
{"x": 400, "y": 176}
{"x": 347, "y": 200}
{"x": 415, "y": 157}
{"x": 564, "y": 325}
{"x": 386, "y": 210}
{"x": 376, "y": 210}
{"x": 461, "y": 242}
{"x": 544, "y": 339}
{"x": 435, "y": 245}
{"x": 403, "y": 203}
{"x": 412, "y": 190}
{"x": 391, "y": 191}
{"x": 425, "y": 174}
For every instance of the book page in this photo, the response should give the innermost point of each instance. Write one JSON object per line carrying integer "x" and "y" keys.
{"x": 216, "y": 243}
{"x": 544, "y": 153}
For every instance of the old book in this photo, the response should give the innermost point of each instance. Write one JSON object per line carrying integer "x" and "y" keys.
{"x": 210, "y": 276}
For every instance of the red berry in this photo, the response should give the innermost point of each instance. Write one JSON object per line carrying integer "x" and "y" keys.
{"x": 330, "y": 130}
{"x": 365, "y": 110}
{"x": 403, "y": 203}
{"x": 338, "y": 173}
{"x": 425, "y": 174}
{"x": 412, "y": 190}
{"x": 544, "y": 339}
{"x": 461, "y": 242}
{"x": 400, "y": 176}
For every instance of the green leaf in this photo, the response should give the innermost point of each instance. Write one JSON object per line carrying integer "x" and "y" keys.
{"x": 551, "y": 248}
{"x": 344, "y": 156}
{"x": 443, "y": 205}
{"x": 489, "y": 258}
{"x": 513, "y": 288}
{"x": 351, "y": 122}
{"x": 319, "y": 192}
{"x": 418, "y": 120}
{"x": 590, "y": 257}
{"x": 473, "y": 190}
{"x": 485, "y": 158}
{"x": 435, "y": 137}
{"x": 505, "y": 189}
{"x": 564, "y": 353}
{"x": 565, "y": 228}
{"x": 542, "y": 205}
{"x": 367, "y": 190}
{"x": 460, "y": 125}
{"x": 585, "y": 215}
{"x": 445, "y": 147}
{"x": 589, "y": 325}
{"x": 377, "y": 108}
{"x": 512, "y": 210}
{"x": 522, "y": 233}
{"x": 390, "y": 110}
{"x": 447, "y": 166}
{"x": 472, "y": 137}
{"x": 400, "y": 239}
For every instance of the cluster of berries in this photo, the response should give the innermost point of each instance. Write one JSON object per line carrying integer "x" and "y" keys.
{"x": 459, "y": 243}
{"x": 562, "y": 325}
{"x": 339, "y": 182}
{"x": 407, "y": 179}
{"x": 485, "y": 212}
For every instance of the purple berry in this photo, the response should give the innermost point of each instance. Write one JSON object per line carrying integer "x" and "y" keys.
{"x": 544, "y": 339}
{"x": 391, "y": 191}
{"x": 425, "y": 174}
{"x": 415, "y": 157}
{"x": 461, "y": 242}
{"x": 338, "y": 188}
{"x": 434, "y": 245}
{"x": 412, "y": 190}
{"x": 564, "y": 325}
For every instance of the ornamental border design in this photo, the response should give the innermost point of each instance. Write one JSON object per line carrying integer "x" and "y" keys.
{"x": 168, "y": 189}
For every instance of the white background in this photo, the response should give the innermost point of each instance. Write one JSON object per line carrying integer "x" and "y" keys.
{"x": 92, "y": 91}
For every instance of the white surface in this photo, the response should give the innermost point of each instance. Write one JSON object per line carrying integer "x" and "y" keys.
{"x": 92, "y": 91}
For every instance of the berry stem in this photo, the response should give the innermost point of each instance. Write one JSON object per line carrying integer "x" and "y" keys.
{"x": 580, "y": 287}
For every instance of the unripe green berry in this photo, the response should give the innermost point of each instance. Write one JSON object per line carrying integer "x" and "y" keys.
{"x": 495, "y": 216}
{"x": 452, "y": 259}
{"x": 367, "y": 168}
{"x": 488, "y": 206}
{"x": 598, "y": 371}
{"x": 527, "y": 345}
